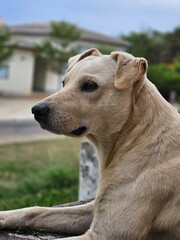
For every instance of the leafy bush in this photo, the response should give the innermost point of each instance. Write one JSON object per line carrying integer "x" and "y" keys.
{"x": 53, "y": 186}
{"x": 39, "y": 173}
{"x": 164, "y": 76}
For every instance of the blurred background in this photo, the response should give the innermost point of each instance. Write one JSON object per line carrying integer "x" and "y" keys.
{"x": 36, "y": 39}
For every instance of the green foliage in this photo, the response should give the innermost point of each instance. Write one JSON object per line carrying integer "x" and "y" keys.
{"x": 155, "y": 46}
{"x": 159, "y": 49}
{"x": 65, "y": 32}
{"x": 164, "y": 76}
{"x": 146, "y": 44}
{"x": 5, "y": 52}
{"x": 172, "y": 45}
{"x": 105, "y": 49}
{"x": 57, "y": 49}
{"x": 177, "y": 66}
{"x": 40, "y": 173}
{"x": 53, "y": 186}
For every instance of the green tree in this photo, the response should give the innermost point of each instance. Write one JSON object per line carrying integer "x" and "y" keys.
{"x": 166, "y": 78}
{"x": 58, "y": 48}
{"x": 172, "y": 45}
{"x": 5, "y": 51}
{"x": 148, "y": 44}
{"x": 105, "y": 49}
{"x": 162, "y": 50}
{"x": 155, "y": 46}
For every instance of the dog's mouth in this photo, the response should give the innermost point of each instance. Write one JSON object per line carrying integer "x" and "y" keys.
{"x": 79, "y": 131}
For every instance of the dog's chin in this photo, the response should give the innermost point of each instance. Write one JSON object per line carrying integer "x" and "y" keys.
{"x": 78, "y": 132}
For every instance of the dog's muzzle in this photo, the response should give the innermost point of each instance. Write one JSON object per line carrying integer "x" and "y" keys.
{"x": 41, "y": 113}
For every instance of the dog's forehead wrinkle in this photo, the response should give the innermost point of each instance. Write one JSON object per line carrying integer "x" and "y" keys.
{"x": 96, "y": 66}
{"x": 84, "y": 59}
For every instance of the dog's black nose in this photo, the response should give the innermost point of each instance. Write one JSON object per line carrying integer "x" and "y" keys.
{"x": 40, "y": 110}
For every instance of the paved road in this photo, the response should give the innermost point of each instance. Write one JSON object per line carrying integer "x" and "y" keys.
{"x": 23, "y": 130}
{"x": 19, "y": 126}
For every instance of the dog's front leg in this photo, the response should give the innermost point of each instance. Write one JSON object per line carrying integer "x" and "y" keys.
{"x": 72, "y": 220}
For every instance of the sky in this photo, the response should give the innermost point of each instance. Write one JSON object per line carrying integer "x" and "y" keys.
{"x": 112, "y": 17}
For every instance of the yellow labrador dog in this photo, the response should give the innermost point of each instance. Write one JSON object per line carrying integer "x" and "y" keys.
{"x": 109, "y": 99}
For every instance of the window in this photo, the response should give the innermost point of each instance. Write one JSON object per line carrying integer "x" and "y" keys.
{"x": 4, "y": 72}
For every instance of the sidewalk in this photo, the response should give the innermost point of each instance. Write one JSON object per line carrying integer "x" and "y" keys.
{"x": 16, "y": 108}
{"x": 17, "y": 123}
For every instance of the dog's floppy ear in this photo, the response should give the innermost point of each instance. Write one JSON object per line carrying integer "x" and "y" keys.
{"x": 91, "y": 52}
{"x": 128, "y": 69}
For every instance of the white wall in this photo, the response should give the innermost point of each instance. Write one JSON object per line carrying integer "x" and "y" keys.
{"x": 21, "y": 71}
{"x": 52, "y": 81}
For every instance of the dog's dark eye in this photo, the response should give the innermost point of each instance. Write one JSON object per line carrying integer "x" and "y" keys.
{"x": 63, "y": 83}
{"x": 89, "y": 86}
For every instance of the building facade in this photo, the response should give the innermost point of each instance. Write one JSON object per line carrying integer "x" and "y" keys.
{"x": 24, "y": 73}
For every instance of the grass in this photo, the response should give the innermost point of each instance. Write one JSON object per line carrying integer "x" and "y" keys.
{"x": 39, "y": 173}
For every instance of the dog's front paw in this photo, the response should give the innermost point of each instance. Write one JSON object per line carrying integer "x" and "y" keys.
{"x": 8, "y": 219}
{"x": 15, "y": 218}
{"x": 19, "y": 218}
{"x": 4, "y": 221}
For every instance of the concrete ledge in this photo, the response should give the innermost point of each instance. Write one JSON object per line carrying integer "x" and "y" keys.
{"x": 12, "y": 235}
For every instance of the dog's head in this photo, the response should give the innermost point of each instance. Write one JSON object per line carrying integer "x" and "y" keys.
{"x": 97, "y": 96}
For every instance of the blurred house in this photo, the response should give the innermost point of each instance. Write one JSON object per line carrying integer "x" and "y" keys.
{"x": 24, "y": 74}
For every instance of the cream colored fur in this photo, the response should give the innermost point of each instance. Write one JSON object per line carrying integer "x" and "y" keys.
{"x": 137, "y": 135}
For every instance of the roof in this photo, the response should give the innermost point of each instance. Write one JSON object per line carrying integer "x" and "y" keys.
{"x": 27, "y": 35}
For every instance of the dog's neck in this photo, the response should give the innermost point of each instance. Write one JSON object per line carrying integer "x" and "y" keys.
{"x": 143, "y": 132}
